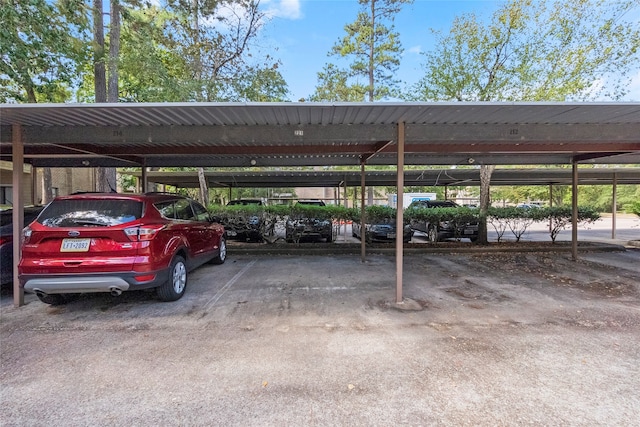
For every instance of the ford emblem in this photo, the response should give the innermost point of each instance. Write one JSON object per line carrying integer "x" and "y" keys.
{"x": 74, "y": 233}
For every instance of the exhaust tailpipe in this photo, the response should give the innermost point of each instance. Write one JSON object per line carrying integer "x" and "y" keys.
{"x": 115, "y": 292}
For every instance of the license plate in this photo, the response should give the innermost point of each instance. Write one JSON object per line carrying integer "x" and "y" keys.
{"x": 75, "y": 245}
{"x": 469, "y": 231}
{"x": 391, "y": 235}
{"x": 231, "y": 233}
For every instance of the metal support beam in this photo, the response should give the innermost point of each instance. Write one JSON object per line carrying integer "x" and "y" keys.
{"x": 18, "y": 209}
{"x": 34, "y": 185}
{"x": 363, "y": 232}
{"x": 400, "y": 214}
{"x": 574, "y": 211}
{"x": 346, "y": 203}
{"x": 614, "y": 204}
{"x": 550, "y": 205}
{"x": 145, "y": 179}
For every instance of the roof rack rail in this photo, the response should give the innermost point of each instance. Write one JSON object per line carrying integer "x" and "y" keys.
{"x": 149, "y": 193}
{"x": 93, "y": 192}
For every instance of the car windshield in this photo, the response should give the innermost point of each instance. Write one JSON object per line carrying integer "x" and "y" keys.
{"x": 434, "y": 204}
{"x": 311, "y": 202}
{"x": 244, "y": 202}
{"x": 90, "y": 212}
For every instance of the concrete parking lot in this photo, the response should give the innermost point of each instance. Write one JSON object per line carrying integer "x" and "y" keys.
{"x": 484, "y": 339}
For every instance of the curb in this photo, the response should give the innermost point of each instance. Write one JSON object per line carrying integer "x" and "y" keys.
{"x": 354, "y": 249}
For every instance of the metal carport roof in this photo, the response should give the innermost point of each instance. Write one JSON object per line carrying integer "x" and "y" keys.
{"x": 307, "y": 134}
{"x": 425, "y": 177}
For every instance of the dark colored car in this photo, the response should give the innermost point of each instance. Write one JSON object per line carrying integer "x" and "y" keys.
{"x": 443, "y": 230}
{"x": 380, "y": 232}
{"x": 6, "y": 240}
{"x": 245, "y": 228}
{"x": 298, "y": 228}
{"x": 108, "y": 242}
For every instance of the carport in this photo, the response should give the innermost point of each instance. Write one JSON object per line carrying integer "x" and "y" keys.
{"x": 309, "y": 134}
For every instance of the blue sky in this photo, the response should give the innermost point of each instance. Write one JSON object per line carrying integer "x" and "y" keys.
{"x": 302, "y": 32}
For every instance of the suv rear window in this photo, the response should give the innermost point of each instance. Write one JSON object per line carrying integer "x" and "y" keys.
{"x": 90, "y": 212}
{"x": 434, "y": 204}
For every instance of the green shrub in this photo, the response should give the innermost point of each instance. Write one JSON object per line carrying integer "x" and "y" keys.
{"x": 634, "y": 208}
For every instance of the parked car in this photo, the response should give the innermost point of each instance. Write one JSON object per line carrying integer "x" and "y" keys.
{"x": 445, "y": 229}
{"x": 306, "y": 227}
{"x": 108, "y": 242}
{"x": 245, "y": 228}
{"x": 528, "y": 205}
{"x": 380, "y": 232}
{"x": 6, "y": 240}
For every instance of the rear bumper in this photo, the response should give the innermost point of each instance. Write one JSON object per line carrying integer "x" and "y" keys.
{"x": 86, "y": 283}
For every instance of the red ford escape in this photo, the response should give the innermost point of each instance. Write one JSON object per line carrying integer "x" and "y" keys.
{"x": 112, "y": 242}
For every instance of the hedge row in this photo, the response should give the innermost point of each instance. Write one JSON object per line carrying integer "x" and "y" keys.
{"x": 517, "y": 220}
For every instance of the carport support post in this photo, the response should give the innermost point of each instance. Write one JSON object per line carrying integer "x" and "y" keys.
{"x": 614, "y": 204}
{"x": 550, "y": 205}
{"x": 144, "y": 178}
{"x": 346, "y": 205}
{"x": 363, "y": 232}
{"x": 574, "y": 211}
{"x": 400, "y": 213}
{"x": 18, "y": 209}
{"x": 34, "y": 185}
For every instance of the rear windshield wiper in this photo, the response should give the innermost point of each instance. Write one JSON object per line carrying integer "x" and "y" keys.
{"x": 90, "y": 222}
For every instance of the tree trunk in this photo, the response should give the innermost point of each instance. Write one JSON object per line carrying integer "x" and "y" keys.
{"x": 99, "y": 73}
{"x": 204, "y": 189}
{"x": 106, "y": 178}
{"x": 114, "y": 52}
{"x": 47, "y": 189}
{"x": 485, "y": 202}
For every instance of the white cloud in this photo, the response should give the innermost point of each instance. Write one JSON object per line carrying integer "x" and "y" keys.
{"x": 415, "y": 49}
{"x": 286, "y": 9}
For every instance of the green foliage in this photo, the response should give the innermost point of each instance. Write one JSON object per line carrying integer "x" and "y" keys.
{"x": 547, "y": 50}
{"x": 634, "y": 208}
{"x": 334, "y": 86}
{"x": 43, "y": 50}
{"x": 561, "y": 217}
{"x": 374, "y": 49}
{"x": 379, "y": 215}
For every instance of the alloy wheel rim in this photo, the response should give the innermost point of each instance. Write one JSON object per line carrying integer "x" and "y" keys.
{"x": 223, "y": 250}
{"x": 179, "y": 277}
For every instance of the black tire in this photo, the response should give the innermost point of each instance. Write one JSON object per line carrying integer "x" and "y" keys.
{"x": 432, "y": 234}
{"x": 222, "y": 254}
{"x": 174, "y": 287}
{"x": 52, "y": 299}
{"x": 473, "y": 239}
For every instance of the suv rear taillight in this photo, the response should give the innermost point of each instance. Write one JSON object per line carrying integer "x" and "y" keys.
{"x": 26, "y": 234}
{"x": 143, "y": 233}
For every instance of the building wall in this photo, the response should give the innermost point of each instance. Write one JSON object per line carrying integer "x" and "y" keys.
{"x": 6, "y": 180}
{"x": 64, "y": 181}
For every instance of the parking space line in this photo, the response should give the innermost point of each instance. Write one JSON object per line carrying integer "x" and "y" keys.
{"x": 227, "y": 285}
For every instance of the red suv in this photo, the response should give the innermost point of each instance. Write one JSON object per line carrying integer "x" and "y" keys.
{"x": 108, "y": 242}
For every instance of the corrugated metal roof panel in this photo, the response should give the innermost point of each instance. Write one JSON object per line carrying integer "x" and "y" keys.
{"x": 220, "y": 114}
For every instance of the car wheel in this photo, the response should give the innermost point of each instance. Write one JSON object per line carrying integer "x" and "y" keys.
{"x": 473, "y": 239}
{"x": 288, "y": 238}
{"x": 222, "y": 255}
{"x": 174, "y": 288}
{"x": 432, "y": 234}
{"x": 52, "y": 299}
